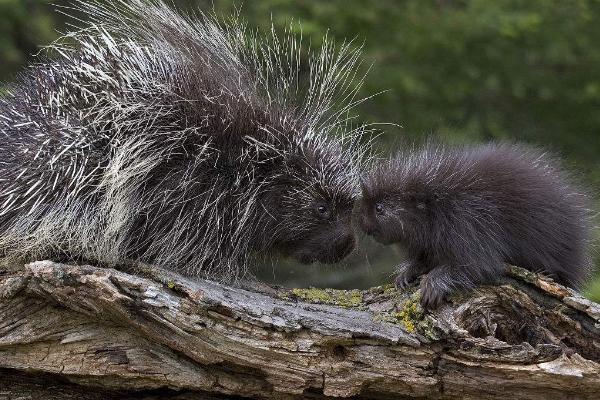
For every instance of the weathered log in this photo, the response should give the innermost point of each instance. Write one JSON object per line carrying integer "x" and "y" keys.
{"x": 71, "y": 332}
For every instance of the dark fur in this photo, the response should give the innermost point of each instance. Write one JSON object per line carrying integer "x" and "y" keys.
{"x": 463, "y": 212}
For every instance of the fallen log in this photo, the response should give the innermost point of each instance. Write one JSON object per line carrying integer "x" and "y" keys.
{"x": 74, "y": 332}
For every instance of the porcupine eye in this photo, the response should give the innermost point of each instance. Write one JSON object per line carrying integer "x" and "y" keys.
{"x": 323, "y": 211}
{"x": 379, "y": 209}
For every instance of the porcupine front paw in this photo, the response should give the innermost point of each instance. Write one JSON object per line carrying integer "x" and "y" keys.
{"x": 432, "y": 292}
{"x": 408, "y": 273}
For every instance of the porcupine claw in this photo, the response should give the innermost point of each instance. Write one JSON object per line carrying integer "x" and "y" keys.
{"x": 432, "y": 295}
{"x": 407, "y": 275}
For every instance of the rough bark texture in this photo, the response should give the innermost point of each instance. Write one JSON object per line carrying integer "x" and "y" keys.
{"x": 80, "y": 332}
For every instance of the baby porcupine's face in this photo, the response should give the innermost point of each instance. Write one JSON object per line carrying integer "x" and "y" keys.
{"x": 314, "y": 209}
{"x": 394, "y": 210}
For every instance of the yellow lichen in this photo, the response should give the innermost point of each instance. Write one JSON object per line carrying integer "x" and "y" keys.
{"x": 410, "y": 314}
{"x": 427, "y": 328}
{"x": 390, "y": 289}
{"x": 342, "y": 298}
{"x": 171, "y": 285}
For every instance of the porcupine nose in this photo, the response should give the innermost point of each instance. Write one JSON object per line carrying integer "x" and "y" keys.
{"x": 367, "y": 225}
{"x": 344, "y": 245}
{"x": 339, "y": 248}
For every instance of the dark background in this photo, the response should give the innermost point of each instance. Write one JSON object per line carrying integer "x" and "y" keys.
{"x": 465, "y": 71}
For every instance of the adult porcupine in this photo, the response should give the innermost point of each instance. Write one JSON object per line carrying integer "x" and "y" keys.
{"x": 464, "y": 211}
{"x": 188, "y": 143}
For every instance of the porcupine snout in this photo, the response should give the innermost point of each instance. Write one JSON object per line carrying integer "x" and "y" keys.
{"x": 334, "y": 245}
{"x": 367, "y": 225}
{"x": 343, "y": 246}
{"x": 367, "y": 222}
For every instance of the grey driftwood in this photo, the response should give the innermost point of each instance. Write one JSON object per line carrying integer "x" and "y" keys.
{"x": 81, "y": 332}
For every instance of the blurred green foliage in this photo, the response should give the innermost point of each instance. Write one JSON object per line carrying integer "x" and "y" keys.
{"x": 24, "y": 26}
{"x": 464, "y": 70}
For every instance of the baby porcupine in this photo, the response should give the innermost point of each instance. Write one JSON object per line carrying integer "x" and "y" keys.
{"x": 187, "y": 143}
{"x": 462, "y": 212}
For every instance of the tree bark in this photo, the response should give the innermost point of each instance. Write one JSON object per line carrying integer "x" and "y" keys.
{"x": 81, "y": 332}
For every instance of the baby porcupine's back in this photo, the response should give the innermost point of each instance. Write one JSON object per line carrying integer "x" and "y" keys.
{"x": 523, "y": 203}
